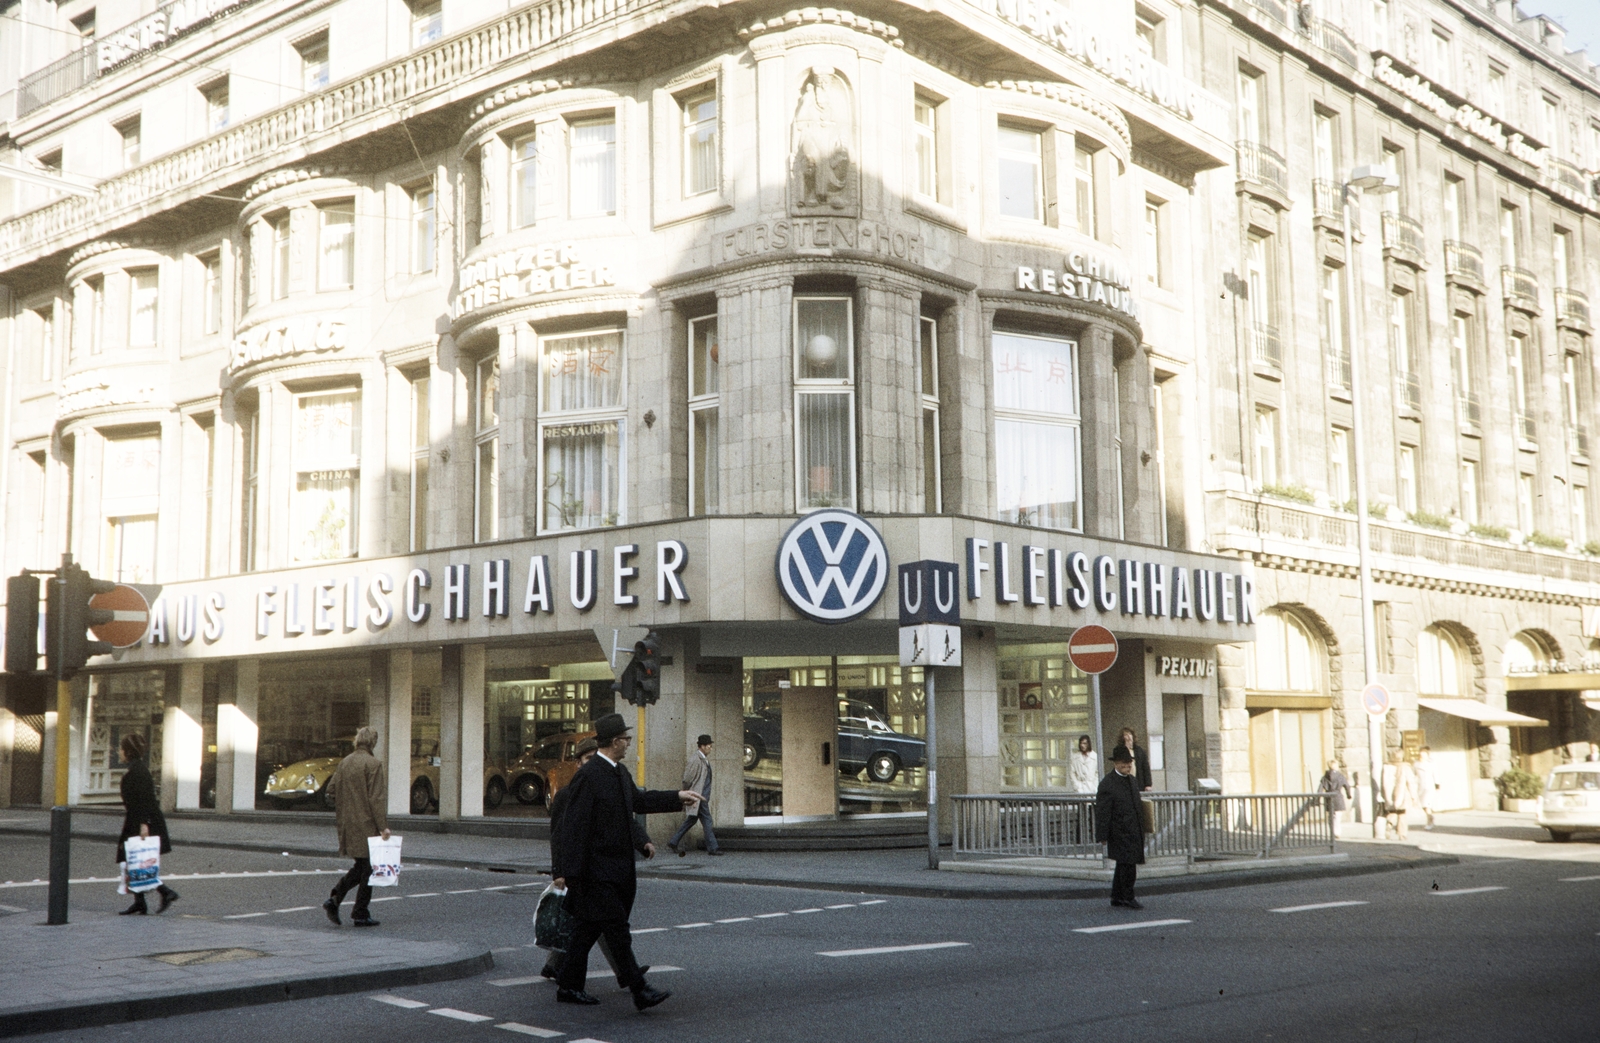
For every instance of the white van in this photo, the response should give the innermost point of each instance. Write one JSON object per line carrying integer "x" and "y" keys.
{"x": 1571, "y": 800}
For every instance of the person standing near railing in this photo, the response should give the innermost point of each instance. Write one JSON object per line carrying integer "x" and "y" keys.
{"x": 1337, "y": 785}
{"x": 1085, "y": 767}
{"x": 1119, "y": 825}
{"x": 1127, "y": 740}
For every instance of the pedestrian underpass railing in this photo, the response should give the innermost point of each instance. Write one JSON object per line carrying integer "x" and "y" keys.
{"x": 1187, "y": 826}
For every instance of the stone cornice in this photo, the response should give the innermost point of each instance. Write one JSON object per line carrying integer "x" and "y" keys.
{"x": 822, "y": 16}
{"x": 1067, "y": 94}
{"x": 292, "y": 175}
{"x": 102, "y": 246}
{"x": 1156, "y": 165}
{"x": 529, "y": 89}
{"x": 1393, "y": 578}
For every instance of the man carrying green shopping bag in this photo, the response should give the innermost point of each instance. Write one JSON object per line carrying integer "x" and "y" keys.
{"x": 360, "y": 791}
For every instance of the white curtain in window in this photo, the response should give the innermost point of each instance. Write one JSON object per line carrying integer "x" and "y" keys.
{"x": 1037, "y": 479}
{"x": 337, "y": 266}
{"x": 822, "y": 336}
{"x": 700, "y": 144}
{"x": 323, "y": 515}
{"x": 325, "y": 430}
{"x": 826, "y": 461}
{"x": 582, "y": 373}
{"x": 581, "y": 466}
{"x": 1036, "y": 375}
{"x": 488, "y": 496}
{"x": 144, "y": 289}
{"x": 707, "y": 462}
{"x": 132, "y": 549}
{"x": 1438, "y": 663}
{"x": 594, "y": 168}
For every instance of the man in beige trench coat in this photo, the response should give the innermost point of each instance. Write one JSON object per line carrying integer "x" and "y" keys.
{"x": 360, "y": 790}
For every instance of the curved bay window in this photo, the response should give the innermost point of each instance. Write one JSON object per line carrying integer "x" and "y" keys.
{"x": 824, "y": 402}
{"x": 581, "y": 431}
{"x": 129, "y": 500}
{"x": 1291, "y": 725}
{"x": 327, "y": 463}
{"x": 1038, "y": 462}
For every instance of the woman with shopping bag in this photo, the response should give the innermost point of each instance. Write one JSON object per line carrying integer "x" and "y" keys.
{"x": 142, "y": 817}
{"x": 360, "y": 790}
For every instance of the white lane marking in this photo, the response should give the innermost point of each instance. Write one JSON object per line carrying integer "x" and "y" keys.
{"x": 529, "y": 1030}
{"x": 877, "y": 901}
{"x": 1128, "y": 926}
{"x": 503, "y": 887}
{"x": 388, "y": 898}
{"x": 186, "y": 876}
{"x": 12, "y": 909}
{"x": 1317, "y": 905}
{"x": 534, "y": 979}
{"x": 459, "y": 1015}
{"x": 1464, "y": 891}
{"x": 243, "y": 916}
{"x": 760, "y": 916}
{"x": 1577, "y": 879}
{"x": 731, "y": 919}
{"x": 295, "y": 909}
{"x": 586, "y": 1039}
{"x": 846, "y": 905}
{"x": 651, "y": 930}
{"x": 465, "y": 891}
{"x": 423, "y": 894}
{"x": 894, "y": 948}
{"x": 686, "y": 926}
{"x": 398, "y": 1001}
{"x": 802, "y": 912}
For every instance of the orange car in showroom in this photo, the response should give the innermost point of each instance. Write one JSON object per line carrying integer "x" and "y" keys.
{"x": 546, "y": 767}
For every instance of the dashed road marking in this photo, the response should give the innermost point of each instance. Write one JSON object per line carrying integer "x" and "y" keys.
{"x": 389, "y": 898}
{"x": 243, "y": 916}
{"x": 1465, "y": 891}
{"x": 12, "y": 909}
{"x": 1577, "y": 879}
{"x": 398, "y": 1001}
{"x": 733, "y": 919}
{"x": 459, "y": 1015}
{"x": 846, "y": 905}
{"x": 802, "y": 912}
{"x": 651, "y": 930}
{"x": 687, "y": 926}
{"x": 1129, "y": 926}
{"x": 877, "y": 901}
{"x": 529, "y": 1030}
{"x": 465, "y": 891}
{"x": 422, "y": 894}
{"x": 761, "y": 916}
{"x": 504, "y": 887}
{"x": 895, "y": 948}
{"x": 295, "y": 909}
{"x": 535, "y": 979}
{"x": 1316, "y": 905}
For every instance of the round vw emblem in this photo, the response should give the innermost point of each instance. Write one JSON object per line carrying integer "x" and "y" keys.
{"x": 832, "y": 566}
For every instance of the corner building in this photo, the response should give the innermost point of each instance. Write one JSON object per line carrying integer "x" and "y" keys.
{"x": 416, "y": 367}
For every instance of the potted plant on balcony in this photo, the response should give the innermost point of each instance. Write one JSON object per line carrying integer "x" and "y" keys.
{"x": 1519, "y": 790}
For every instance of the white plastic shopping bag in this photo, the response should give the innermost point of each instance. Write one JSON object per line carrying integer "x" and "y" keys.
{"x": 385, "y": 857}
{"x": 144, "y": 863}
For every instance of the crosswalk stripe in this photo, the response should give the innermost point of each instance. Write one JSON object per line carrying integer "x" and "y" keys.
{"x": 398, "y": 1001}
{"x": 1464, "y": 891}
{"x": 1577, "y": 879}
{"x": 846, "y": 905}
{"x": 1129, "y": 926}
{"x": 895, "y": 948}
{"x": 768, "y": 916}
{"x": 295, "y": 909}
{"x": 736, "y": 919}
{"x": 459, "y": 1015}
{"x": 1317, "y": 905}
{"x": 529, "y": 1030}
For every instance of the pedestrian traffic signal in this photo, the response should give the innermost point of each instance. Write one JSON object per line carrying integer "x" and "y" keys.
{"x": 640, "y": 683}
{"x": 69, "y": 617}
{"x": 22, "y": 624}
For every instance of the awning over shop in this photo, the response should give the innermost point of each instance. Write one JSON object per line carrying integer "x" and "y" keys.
{"x": 1473, "y": 710}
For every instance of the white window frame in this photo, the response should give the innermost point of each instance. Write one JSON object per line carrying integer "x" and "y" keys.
{"x": 1340, "y": 472}
{"x": 131, "y": 132}
{"x": 329, "y": 277}
{"x": 925, "y": 120}
{"x": 1408, "y": 469}
{"x": 1517, "y": 362}
{"x": 704, "y": 496}
{"x": 422, "y": 201}
{"x": 349, "y": 462}
{"x": 617, "y": 413}
{"x": 1471, "y": 494}
{"x": 1561, "y": 258}
{"x": 933, "y": 477}
{"x": 44, "y": 323}
{"x": 1085, "y": 198}
{"x": 144, "y": 298}
{"x": 250, "y": 488}
{"x": 218, "y": 101}
{"x": 844, "y": 387}
{"x": 524, "y": 206}
{"x": 1525, "y": 496}
{"x": 485, "y": 436}
{"x": 1072, "y": 421}
{"x": 577, "y": 153}
{"x": 96, "y": 285}
{"x": 693, "y": 123}
{"x": 1248, "y": 99}
{"x": 421, "y": 457}
{"x": 427, "y": 22}
{"x": 1035, "y": 159}
{"x": 1154, "y": 212}
{"x": 1324, "y": 146}
{"x": 211, "y": 292}
{"x": 280, "y": 228}
{"x": 1266, "y": 442}
{"x": 315, "y": 62}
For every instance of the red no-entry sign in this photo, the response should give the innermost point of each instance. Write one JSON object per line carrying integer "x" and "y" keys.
{"x": 129, "y": 620}
{"x": 1092, "y": 649}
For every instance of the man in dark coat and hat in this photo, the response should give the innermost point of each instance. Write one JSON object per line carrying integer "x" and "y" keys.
{"x": 592, "y": 857}
{"x": 1119, "y": 826}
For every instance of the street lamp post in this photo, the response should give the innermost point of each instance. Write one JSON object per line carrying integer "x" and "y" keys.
{"x": 1377, "y": 179}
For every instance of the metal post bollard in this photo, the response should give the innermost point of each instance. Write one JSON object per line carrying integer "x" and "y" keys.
{"x": 60, "y": 862}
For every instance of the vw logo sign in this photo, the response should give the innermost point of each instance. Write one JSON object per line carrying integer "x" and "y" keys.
{"x": 832, "y": 566}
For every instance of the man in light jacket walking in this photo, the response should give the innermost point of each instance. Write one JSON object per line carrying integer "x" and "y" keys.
{"x": 697, "y": 778}
{"x": 360, "y": 791}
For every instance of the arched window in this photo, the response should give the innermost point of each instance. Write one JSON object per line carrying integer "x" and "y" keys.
{"x": 1439, "y": 663}
{"x": 1285, "y": 656}
{"x": 1523, "y": 654}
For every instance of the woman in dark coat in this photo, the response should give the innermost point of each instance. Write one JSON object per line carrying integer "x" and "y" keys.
{"x": 143, "y": 816}
{"x": 1127, "y": 740}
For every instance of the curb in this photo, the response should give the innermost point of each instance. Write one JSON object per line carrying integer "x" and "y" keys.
{"x": 112, "y": 1012}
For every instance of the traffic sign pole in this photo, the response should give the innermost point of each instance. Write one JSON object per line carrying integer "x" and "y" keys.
{"x": 930, "y": 732}
{"x": 1093, "y": 650}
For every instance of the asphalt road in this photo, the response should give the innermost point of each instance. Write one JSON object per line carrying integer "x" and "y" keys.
{"x": 1505, "y": 949}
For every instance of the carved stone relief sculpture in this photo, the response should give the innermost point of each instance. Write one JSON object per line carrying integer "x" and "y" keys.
{"x": 824, "y": 176}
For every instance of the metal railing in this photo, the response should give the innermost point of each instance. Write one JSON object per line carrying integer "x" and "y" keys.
{"x": 1463, "y": 260}
{"x": 1335, "y": 41}
{"x": 41, "y": 87}
{"x": 1327, "y": 200}
{"x": 1262, "y": 165}
{"x": 1266, "y": 347}
{"x": 1570, "y": 176}
{"x": 1401, "y": 232}
{"x": 1277, "y": 10}
{"x": 1408, "y": 389}
{"x": 1338, "y": 362}
{"x": 1572, "y": 306}
{"x": 1580, "y": 440}
{"x": 1186, "y": 826}
{"x": 1528, "y": 428}
{"x": 1519, "y": 282}
{"x": 1471, "y": 409}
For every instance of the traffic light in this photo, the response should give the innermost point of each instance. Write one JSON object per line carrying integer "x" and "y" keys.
{"x": 640, "y": 683}
{"x": 22, "y": 624}
{"x": 69, "y": 617}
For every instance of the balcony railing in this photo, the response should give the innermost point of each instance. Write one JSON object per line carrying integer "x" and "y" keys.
{"x": 1469, "y": 408}
{"x": 1519, "y": 283}
{"x": 1335, "y": 41}
{"x": 1580, "y": 441}
{"x": 59, "y": 77}
{"x": 1277, "y": 10}
{"x": 1327, "y": 200}
{"x": 1527, "y": 428}
{"x": 1408, "y": 389}
{"x": 1338, "y": 362}
{"x": 1262, "y": 165}
{"x": 1266, "y": 348}
{"x": 1402, "y": 233}
{"x": 1570, "y": 176}
{"x": 1572, "y": 306}
{"x": 1463, "y": 261}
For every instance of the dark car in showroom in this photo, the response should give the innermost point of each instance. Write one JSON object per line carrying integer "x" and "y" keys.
{"x": 866, "y": 741}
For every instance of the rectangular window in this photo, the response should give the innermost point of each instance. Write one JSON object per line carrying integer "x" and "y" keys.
{"x": 1462, "y": 366}
{"x": 1249, "y": 106}
{"x": 421, "y": 454}
{"x": 336, "y": 246}
{"x": 313, "y": 62}
{"x": 96, "y": 288}
{"x": 1259, "y": 281}
{"x": 1405, "y": 362}
{"x": 1580, "y": 515}
{"x": 1469, "y": 492}
{"x": 1525, "y": 503}
{"x": 1330, "y": 326}
{"x": 249, "y": 427}
{"x": 1038, "y": 456}
{"x": 144, "y": 290}
{"x": 1084, "y": 198}
{"x": 326, "y": 451}
{"x": 130, "y": 131}
{"x": 705, "y": 386}
{"x": 524, "y": 181}
{"x": 1149, "y": 34}
{"x": 280, "y": 256}
{"x": 1517, "y": 359}
{"x": 925, "y": 124}
{"x": 427, "y": 22}
{"x": 208, "y": 426}
{"x": 129, "y": 500}
{"x": 1021, "y": 173}
{"x": 928, "y": 352}
{"x": 1266, "y": 445}
{"x": 1550, "y": 121}
{"x": 592, "y": 189}
{"x": 1561, "y": 257}
{"x": 824, "y": 379}
{"x": 1494, "y": 91}
{"x": 1383, "y": 635}
{"x": 1406, "y": 486}
{"x": 216, "y": 98}
{"x": 44, "y": 327}
{"x": 701, "y": 144}
{"x": 211, "y": 292}
{"x": 1324, "y": 148}
{"x": 1453, "y": 211}
{"x": 1152, "y": 243}
{"x": 1442, "y": 62}
{"x": 582, "y": 430}
{"x": 1380, "y": 25}
{"x": 1569, "y": 391}
{"x": 424, "y": 232}
{"x": 1510, "y": 235}
{"x": 1341, "y": 467}
{"x": 1394, "y": 158}
{"x": 486, "y": 436}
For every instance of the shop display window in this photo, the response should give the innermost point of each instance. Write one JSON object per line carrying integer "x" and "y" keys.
{"x": 1044, "y": 708}
{"x": 534, "y": 712}
{"x": 308, "y": 712}
{"x": 120, "y": 704}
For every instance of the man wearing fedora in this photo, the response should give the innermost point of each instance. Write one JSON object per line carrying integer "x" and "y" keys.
{"x": 1120, "y": 827}
{"x": 697, "y": 779}
{"x": 592, "y": 850}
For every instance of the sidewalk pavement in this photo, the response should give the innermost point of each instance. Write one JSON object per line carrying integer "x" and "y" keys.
{"x": 102, "y": 969}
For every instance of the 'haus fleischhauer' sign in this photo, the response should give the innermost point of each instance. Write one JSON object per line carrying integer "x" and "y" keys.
{"x": 930, "y": 614}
